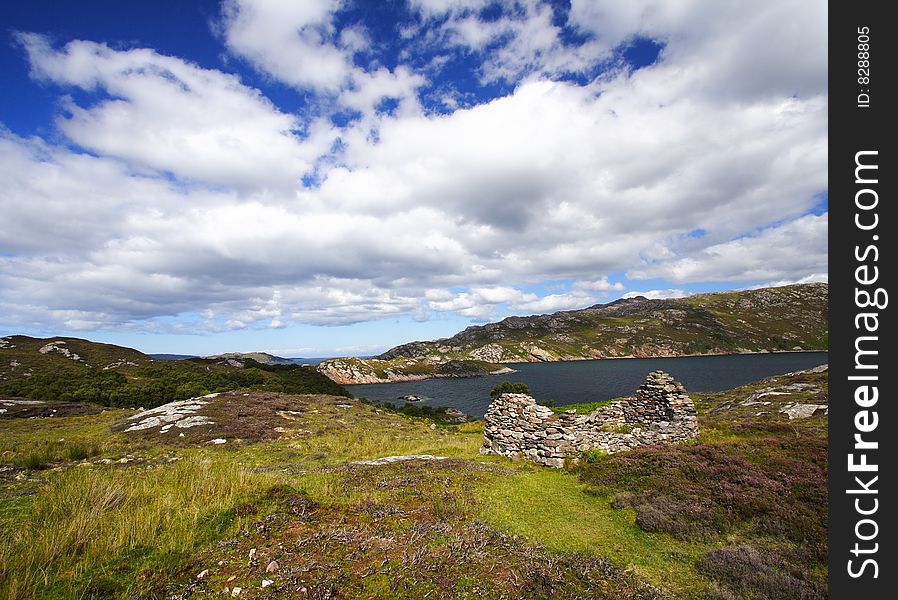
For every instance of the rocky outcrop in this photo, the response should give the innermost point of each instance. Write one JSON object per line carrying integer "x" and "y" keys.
{"x": 804, "y": 411}
{"x": 181, "y": 414}
{"x": 489, "y": 352}
{"x": 659, "y": 412}
{"x": 388, "y": 460}
{"x": 353, "y": 371}
{"x": 347, "y": 371}
{"x": 410, "y": 350}
{"x": 232, "y": 417}
{"x": 58, "y": 346}
{"x": 260, "y": 357}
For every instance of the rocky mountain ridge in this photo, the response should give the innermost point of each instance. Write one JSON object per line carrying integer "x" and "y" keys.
{"x": 777, "y": 319}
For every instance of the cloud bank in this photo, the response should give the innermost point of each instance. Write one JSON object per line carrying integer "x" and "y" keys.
{"x": 176, "y": 197}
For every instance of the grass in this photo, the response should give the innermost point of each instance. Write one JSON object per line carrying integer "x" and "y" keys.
{"x": 42, "y": 455}
{"x": 40, "y": 443}
{"x": 582, "y": 408}
{"x": 408, "y": 530}
{"x": 328, "y": 438}
{"x": 551, "y": 507}
{"x": 98, "y": 530}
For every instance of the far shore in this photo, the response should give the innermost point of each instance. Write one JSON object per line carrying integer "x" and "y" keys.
{"x": 407, "y": 378}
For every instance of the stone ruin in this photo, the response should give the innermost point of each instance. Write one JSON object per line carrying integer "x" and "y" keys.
{"x": 660, "y": 412}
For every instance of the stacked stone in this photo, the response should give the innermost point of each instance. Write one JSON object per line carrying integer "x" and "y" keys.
{"x": 517, "y": 426}
{"x": 659, "y": 399}
{"x": 616, "y": 414}
{"x": 660, "y": 412}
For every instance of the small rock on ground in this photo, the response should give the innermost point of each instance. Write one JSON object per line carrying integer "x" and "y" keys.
{"x": 392, "y": 459}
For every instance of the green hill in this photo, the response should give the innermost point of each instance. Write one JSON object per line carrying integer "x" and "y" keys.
{"x": 72, "y": 369}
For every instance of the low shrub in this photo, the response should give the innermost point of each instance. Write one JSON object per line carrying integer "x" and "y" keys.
{"x": 434, "y": 413}
{"x": 748, "y": 573}
{"x": 775, "y": 485}
{"x": 664, "y": 514}
{"x": 623, "y": 500}
{"x": 594, "y": 455}
{"x": 167, "y": 381}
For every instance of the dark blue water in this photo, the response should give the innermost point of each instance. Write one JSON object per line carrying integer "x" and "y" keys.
{"x": 594, "y": 380}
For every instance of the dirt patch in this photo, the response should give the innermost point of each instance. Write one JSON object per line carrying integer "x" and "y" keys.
{"x": 21, "y": 408}
{"x": 228, "y": 417}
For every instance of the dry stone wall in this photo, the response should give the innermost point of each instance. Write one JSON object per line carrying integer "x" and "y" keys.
{"x": 659, "y": 412}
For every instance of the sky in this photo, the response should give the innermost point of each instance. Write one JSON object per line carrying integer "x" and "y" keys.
{"x": 329, "y": 177}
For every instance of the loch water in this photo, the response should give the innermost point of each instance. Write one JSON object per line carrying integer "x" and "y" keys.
{"x": 594, "y": 380}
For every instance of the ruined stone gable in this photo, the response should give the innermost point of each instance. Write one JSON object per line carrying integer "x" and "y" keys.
{"x": 659, "y": 412}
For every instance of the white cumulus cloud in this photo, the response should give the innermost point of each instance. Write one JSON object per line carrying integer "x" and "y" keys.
{"x": 171, "y": 195}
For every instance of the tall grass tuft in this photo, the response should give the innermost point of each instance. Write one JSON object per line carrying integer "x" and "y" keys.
{"x": 45, "y": 453}
{"x": 81, "y": 450}
{"x": 87, "y": 519}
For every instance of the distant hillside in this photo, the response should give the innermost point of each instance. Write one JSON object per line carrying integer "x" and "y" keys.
{"x": 72, "y": 369}
{"x": 259, "y": 357}
{"x": 171, "y": 356}
{"x": 784, "y": 318}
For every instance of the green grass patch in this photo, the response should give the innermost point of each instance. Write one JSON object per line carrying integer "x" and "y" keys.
{"x": 582, "y": 408}
{"x": 552, "y": 508}
{"x": 38, "y": 443}
{"x": 44, "y": 454}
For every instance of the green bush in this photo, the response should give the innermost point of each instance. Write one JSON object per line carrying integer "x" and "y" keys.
{"x": 594, "y": 455}
{"x": 434, "y": 413}
{"x": 507, "y": 387}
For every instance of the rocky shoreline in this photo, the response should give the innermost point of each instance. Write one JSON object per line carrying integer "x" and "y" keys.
{"x": 361, "y": 371}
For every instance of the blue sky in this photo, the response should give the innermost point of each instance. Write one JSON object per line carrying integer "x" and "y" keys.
{"x": 326, "y": 178}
